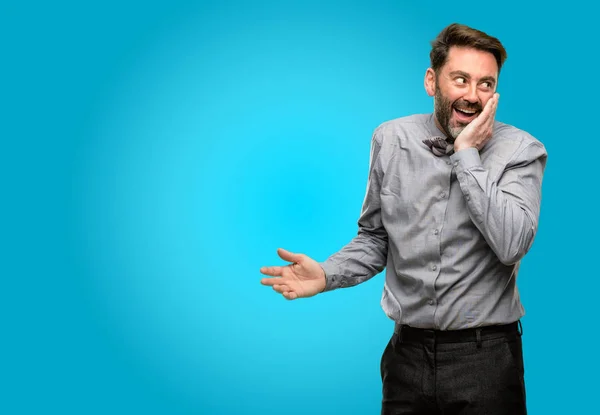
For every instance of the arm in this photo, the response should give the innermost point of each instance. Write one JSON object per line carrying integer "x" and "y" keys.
{"x": 366, "y": 254}
{"x": 505, "y": 212}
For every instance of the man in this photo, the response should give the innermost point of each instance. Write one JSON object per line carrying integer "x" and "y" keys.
{"x": 451, "y": 207}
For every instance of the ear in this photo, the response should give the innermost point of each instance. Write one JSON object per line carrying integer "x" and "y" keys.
{"x": 430, "y": 82}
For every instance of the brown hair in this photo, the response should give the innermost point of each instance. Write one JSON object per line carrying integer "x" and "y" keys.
{"x": 465, "y": 36}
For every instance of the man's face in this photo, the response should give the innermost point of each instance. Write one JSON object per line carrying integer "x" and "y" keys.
{"x": 462, "y": 88}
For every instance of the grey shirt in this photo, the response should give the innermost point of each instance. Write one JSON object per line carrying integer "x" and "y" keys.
{"x": 450, "y": 230}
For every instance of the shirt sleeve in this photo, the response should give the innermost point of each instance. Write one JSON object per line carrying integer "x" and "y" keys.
{"x": 506, "y": 212}
{"x": 366, "y": 254}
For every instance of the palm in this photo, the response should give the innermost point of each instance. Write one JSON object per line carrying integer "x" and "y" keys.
{"x": 479, "y": 131}
{"x": 303, "y": 278}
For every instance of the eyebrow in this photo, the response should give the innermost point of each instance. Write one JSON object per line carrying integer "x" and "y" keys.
{"x": 467, "y": 76}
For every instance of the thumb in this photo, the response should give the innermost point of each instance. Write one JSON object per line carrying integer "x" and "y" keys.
{"x": 288, "y": 256}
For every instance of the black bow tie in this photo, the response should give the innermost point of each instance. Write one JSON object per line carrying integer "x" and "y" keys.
{"x": 439, "y": 146}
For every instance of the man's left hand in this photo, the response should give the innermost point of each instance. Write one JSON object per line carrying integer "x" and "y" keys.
{"x": 479, "y": 131}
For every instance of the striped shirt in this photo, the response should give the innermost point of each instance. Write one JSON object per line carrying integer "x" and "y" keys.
{"x": 450, "y": 230}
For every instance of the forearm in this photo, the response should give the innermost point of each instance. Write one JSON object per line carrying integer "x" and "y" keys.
{"x": 362, "y": 258}
{"x": 506, "y": 212}
{"x": 366, "y": 254}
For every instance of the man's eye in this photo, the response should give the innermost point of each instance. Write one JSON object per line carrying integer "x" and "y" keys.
{"x": 460, "y": 80}
{"x": 487, "y": 84}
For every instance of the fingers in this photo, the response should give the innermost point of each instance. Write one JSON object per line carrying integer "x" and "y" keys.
{"x": 486, "y": 126}
{"x": 486, "y": 118}
{"x": 273, "y": 271}
{"x": 289, "y": 256}
{"x": 496, "y": 97}
{"x": 290, "y": 295}
{"x": 271, "y": 281}
{"x": 492, "y": 114}
{"x": 278, "y": 284}
{"x": 281, "y": 288}
{"x": 490, "y": 106}
{"x": 286, "y": 291}
{"x": 488, "y": 110}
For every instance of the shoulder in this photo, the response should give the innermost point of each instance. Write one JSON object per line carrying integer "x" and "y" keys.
{"x": 510, "y": 142}
{"x": 395, "y": 131}
{"x": 512, "y": 133}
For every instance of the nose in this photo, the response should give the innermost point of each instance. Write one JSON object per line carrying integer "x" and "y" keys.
{"x": 471, "y": 95}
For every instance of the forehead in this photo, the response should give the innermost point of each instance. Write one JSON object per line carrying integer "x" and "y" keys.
{"x": 476, "y": 63}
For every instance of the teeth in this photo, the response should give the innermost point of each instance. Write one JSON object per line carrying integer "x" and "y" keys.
{"x": 467, "y": 111}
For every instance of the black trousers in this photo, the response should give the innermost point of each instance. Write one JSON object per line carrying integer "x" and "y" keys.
{"x": 462, "y": 372}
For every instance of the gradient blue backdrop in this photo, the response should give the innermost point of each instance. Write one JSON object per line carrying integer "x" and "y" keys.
{"x": 155, "y": 155}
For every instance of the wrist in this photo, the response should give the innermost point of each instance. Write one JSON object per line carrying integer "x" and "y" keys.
{"x": 323, "y": 279}
{"x": 459, "y": 147}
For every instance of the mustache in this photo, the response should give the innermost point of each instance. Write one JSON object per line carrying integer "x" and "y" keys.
{"x": 468, "y": 105}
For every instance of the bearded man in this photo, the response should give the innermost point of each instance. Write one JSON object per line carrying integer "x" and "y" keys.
{"x": 451, "y": 207}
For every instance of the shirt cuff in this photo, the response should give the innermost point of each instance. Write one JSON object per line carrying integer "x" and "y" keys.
{"x": 466, "y": 159}
{"x": 333, "y": 279}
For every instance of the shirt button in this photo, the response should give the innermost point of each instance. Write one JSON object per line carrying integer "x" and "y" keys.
{"x": 436, "y": 232}
{"x": 443, "y": 195}
{"x": 448, "y": 162}
{"x": 430, "y": 302}
{"x": 434, "y": 267}
{"x": 468, "y": 197}
{"x": 455, "y": 163}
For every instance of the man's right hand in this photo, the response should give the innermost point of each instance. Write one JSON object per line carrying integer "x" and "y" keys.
{"x": 303, "y": 278}
{"x": 479, "y": 131}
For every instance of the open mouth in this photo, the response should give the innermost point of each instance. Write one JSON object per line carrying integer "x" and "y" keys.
{"x": 465, "y": 115}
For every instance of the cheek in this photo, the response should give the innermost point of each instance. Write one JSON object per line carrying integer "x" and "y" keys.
{"x": 485, "y": 97}
{"x": 453, "y": 95}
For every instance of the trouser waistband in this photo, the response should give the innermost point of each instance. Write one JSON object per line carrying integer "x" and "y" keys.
{"x": 407, "y": 333}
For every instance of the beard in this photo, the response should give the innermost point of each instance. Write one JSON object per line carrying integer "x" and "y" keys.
{"x": 443, "y": 113}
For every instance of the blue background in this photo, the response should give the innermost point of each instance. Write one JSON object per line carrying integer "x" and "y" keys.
{"x": 155, "y": 155}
